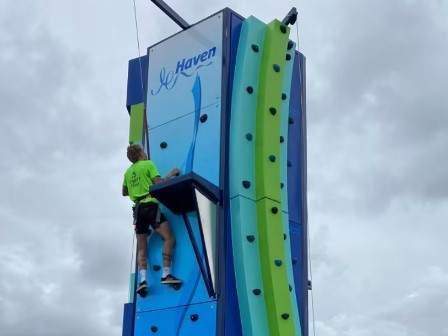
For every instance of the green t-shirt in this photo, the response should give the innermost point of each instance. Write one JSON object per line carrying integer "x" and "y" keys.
{"x": 138, "y": 179}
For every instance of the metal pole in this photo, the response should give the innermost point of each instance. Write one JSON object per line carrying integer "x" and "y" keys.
{"x": 171, "y": 13}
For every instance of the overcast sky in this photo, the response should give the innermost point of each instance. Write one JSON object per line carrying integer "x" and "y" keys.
{"x": 377, "y": 86}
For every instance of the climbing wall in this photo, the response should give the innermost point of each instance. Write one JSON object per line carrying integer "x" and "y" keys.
{"x": 225, "y": 100}
{"x": 183, "y": 115}
{"x": 258, "y": 180}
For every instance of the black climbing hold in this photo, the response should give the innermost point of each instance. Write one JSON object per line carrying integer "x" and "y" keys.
{"x": 156, "y": 268}
{"x": 255, "y": 48}
{"x": 290, "y": 120}
{"x": 290, "y": 45}
{"x": 276, "y": 67}
{"x": 203, "y": 118}
{"x": 310, "y": 285}
{"x": 250, "y": 89}
{"x": 274, "y": 210}
{"x": 282, "y": 185}
{"x": 154, "y": 329}
{"x": 257, "y": 291}
{"x": 278, "y": 262}
{"x": 246, "y": 184}
{"x": 249, "y": 136}
{"x": 283, "y": 29}
{"x": 194, "y": 317}
{"x": 272, "y": 158}
{"x": 284, "y": 96}
{"x": 290, "y": 288}
{"x": 250, "y": 238}
{"x": 284, "y": 236}
{"x": 288, "y": 57}
{"x": 282, "y": 139}
{"x": 163, "y": 145}
{"x": 285, "y": 316}
{"x": 294, "y": 261}
{"x": 289, "y": 164}
{"x": 273, "y": 110}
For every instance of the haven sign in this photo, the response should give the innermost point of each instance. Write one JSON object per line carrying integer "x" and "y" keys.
{"x": 185, "y": 67}
{"x": 177, "y": 64}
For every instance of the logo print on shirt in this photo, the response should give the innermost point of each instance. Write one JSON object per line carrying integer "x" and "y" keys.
{"x": 135, "y": 180}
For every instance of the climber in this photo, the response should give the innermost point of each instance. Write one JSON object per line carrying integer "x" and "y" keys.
{"x": 138, "y": 178}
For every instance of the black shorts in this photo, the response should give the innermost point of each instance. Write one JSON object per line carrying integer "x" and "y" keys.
{"x": 148, "y": 214}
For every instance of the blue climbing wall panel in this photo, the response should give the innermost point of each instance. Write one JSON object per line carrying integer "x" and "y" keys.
{"x": 197, "y": 117}
{"x": 297, "y": 201}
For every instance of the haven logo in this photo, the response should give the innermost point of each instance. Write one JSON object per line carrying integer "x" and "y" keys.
{"x": 186, "y": 67}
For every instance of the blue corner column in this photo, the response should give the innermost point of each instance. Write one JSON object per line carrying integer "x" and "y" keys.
{"x": 297, "y": 187}
{"x": 137, "y": 68}
{"x": 228, "y": 319}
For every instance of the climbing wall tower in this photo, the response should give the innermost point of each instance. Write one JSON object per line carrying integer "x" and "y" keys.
{"x": 224, "y": 101}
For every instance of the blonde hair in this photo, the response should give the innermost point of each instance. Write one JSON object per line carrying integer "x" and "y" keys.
{"x": 134, "y": 152}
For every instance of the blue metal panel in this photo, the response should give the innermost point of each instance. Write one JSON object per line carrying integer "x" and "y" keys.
{"x": 297, "y": 189}
{"x": 206, "y": 152}
{"x": 190, "y": 320}
{"x": 294, "y": 146}
{"x": 295, "y": 236}
{"x": 137, "y": 68}
{"x": 178, "y": 136}
{"x": 128, "y": 319}
{"x": 229, "y": 321}
{"x": 184, "y": 266}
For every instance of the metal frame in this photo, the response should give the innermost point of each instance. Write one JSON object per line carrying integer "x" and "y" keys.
{"x": 171, "y": 13}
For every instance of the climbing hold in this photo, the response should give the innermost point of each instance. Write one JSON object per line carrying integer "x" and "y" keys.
{"x": 310, "y": 285}
{"x": 257, "y": 291}
{"x": 278, "y": 262}
{"x": 290, "y": 45}
{"x": 163, "y": 145}
{"x": 272, "y": 158}
{"x": 203, "y": 118}
{"x": 284, "y": 96}
{"x": 284, "y": 236}
{"x": 294, "y": 261}
{"x": 274, "y": 210}
{"x": 288, "y": 57}
{"x": 246, "y": 184}
{"x": 250, "y": 238}
{"x": 249, "y": 136}
{"x": 282, "y": 139}
{"x": 154, "y": 329}
{"x": 290, "y": 288}
{"x": 194, "y": 317}
{"x": 282, "y": 185}
{"x": 273, "y": 110}
{"x": 156, "y": 268}
{"x": 290, "y": 120}
{"x": 250, "y": 89}
{"x": 285, "y": 316}
{"x": 276, "y": 67}
{"x": 255, "y": 48}
{"x": 283, "y": 29}
{"x": 289, "y": 164}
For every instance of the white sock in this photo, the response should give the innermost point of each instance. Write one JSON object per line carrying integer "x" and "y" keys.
{"x": 142, "y": 275}
{"x": 166, "y": 271}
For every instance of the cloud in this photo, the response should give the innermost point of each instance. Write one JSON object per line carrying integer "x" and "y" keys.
{"x": 376, "y": 77}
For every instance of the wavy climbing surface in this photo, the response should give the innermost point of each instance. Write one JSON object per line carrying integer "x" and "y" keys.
{"x": 242, "y": 177}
